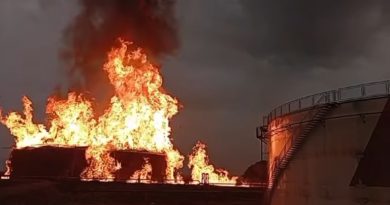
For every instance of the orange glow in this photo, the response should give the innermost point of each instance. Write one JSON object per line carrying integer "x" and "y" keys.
{"x": 8, "y": 168}
{"x": 199, "y": 164}
{"x": 26, "y": 133}
{"x": 144, "y": 174}
{"x": 137, "y": 117}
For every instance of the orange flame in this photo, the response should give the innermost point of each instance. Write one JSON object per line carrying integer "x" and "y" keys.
{"x": 137, "y": 118}
{"x": 200, "y": 165}
{"x": 145, "y": 173}
{"x": 8, "y": 168}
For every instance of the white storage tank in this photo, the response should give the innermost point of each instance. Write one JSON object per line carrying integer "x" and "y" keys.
{"x": 331, "y": 148}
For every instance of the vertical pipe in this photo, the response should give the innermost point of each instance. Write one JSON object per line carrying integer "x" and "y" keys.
{"x": 261, "y": 150}
{"x": 338, "y": 94}
{"x": 327, "y": 97}
{"x": 312, "y": 100}
{"x": 299, "y": 104}
{"x": 281, "y": 110}
{"x": 363, "y": 90}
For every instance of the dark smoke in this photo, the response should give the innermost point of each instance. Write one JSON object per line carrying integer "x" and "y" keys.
{"x": 315, "y": 32}
{"x": 150, "y": 24}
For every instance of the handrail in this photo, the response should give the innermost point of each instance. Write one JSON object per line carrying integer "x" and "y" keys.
{"x": 286, "y": 147}
{"x": 275, "y": 164}
{"x": 362, "y": 91}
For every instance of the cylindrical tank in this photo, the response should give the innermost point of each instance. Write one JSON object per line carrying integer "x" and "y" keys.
{"x": 69, "y": 162}
{"x": 47, "y": 161}
{"x": 334, "y": 152}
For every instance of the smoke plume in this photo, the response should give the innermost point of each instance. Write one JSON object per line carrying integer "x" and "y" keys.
{"x": 150, "y": 24}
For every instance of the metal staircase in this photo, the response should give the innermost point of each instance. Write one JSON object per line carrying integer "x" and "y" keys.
{"x": 317, "y": 106}
{"x": 311, "y": 120}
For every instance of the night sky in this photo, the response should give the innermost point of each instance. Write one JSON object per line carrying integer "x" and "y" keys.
{"x": 236, "y": 60}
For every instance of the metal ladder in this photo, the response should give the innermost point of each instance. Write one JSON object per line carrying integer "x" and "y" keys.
{"x": 296, "y": 140}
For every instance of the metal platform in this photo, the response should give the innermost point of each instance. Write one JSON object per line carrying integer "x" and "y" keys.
{"x": 345, "y": 94}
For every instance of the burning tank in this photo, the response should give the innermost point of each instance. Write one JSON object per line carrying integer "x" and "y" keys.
{"x": 47, "y": 161}
{"x": 75, "y": 142}
{"x": 130, "y": 140}
{"x": 70, "y": 162}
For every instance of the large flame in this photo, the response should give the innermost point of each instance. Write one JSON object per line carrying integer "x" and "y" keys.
{"x": 137, "y": 117}
{"x": 201, "y": 168}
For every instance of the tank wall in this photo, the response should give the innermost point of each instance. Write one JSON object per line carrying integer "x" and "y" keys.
{"x": 322, "y": 169}
{"x": 70, "y": 162}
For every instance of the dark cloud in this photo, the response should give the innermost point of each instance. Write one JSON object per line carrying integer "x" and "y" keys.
{"x": 320, "y": 32}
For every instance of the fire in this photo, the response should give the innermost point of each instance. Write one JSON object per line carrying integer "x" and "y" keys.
{"x": 201, "y": 167}
{"x": 137, "y": 118}
{"x": 22, "y": 127}
{"x": 101, "y": 164}
{"x": 8, "y": 168}
{"x": 145, "y": 173}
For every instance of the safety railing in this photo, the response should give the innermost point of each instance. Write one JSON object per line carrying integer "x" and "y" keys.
{"x": 282, "y": 154}
{"x": 362, "y": 91}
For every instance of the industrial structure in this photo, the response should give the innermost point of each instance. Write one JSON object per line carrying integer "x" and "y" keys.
{"x": 329, "y": 148}
{"x": 69, "y": 162}
{"x": 52, "y": 175}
